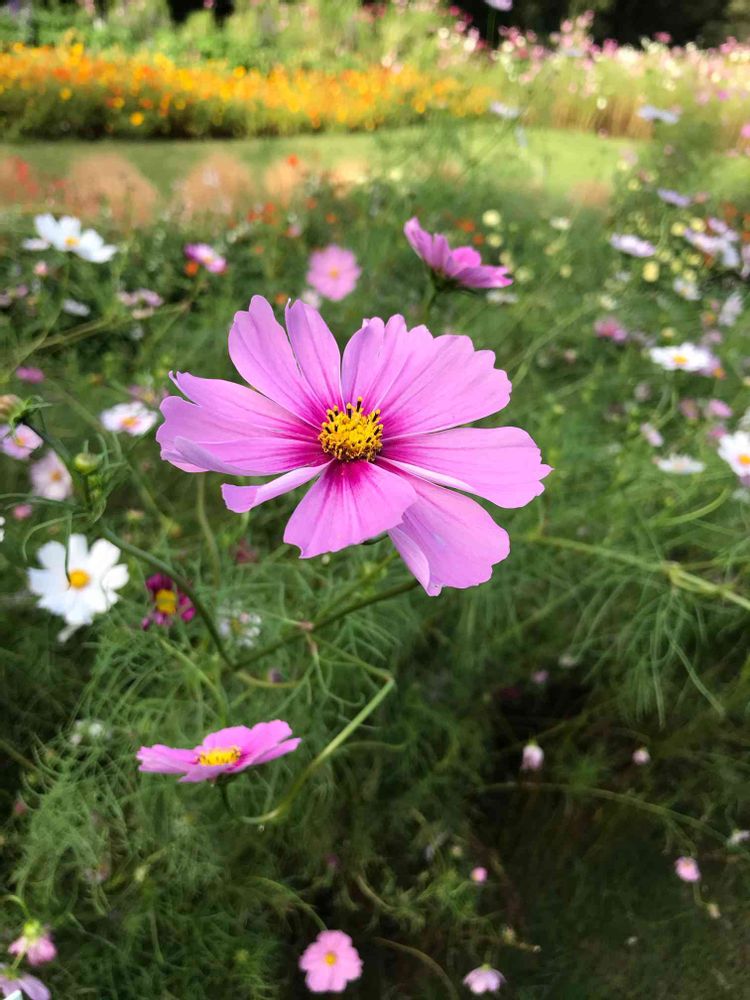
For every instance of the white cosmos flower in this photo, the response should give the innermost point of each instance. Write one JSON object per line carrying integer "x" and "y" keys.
{"x": 129, "y": 418}
{"x": 20, "y": 442}
{"x": 50, "y": 478}
{"x": 485, "y": 979}
{"x": 243, "y": 627}
{"x": 633, "y": 245}
{"x": 685, "y": 357}
{"x": 680, "y": 465}
{"x": 735, "y": 450}
{"x": 77, "y": 583}
{"x": 74, "y": 308}
{"x": 65, "y": 234}
{"x": 686, "y": 289}
{"x": 731, "y": 310}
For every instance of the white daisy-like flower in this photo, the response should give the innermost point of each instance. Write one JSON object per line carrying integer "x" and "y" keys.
{"x": 687, "y": 290}
{"x": 680, "y": 465}
{"x": 633, "y": 245}
{"x": 731, "y": 310}
{"x": 74, "y": 308}
{"x": 685, "y": 357}
{"x": 77, "y": 583}
{"x": 65, "y": 234}
{"x": 649, "y": 113}
{"x": 19, "y": 442}
{"x": 560, "y": 222}
{"x": 485, "y": 979}
{"x": 735, "y": 450}
{"x": 641, "y": 756}
{"x": 50, "y": 478}
{"x": 506, "y": 111}
{"x": 243, "y": 627}
{"x": 129, "y": 418}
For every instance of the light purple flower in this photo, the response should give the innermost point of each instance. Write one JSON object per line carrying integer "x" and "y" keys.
{"x": 11, "y": 981}
{"x": 674, "y": 197}
{"x": 30, "y": 374}
{"x": 20, "y": 442}
{"x": 652, "y": 435}
{"x": 333, "y": 272}
{"x": 478, "y": 875}
{"x": 206, "y": 256}
{"x": 532, "y": 758}
{"x": 687, "y": 869}
{"x": 503, "y": 5}
{"x": 462, "y": 266}
{"x": 632, "y": 245}
{"x": 484, "y": 979}
{"x": 35, "y": 944}
{"x": 641, "y": 756}
{"x": 718, "y": 409}
{"x": 610, "y": 328}
{"x": 649, "y": 113}
{"x": 50, "y": 478}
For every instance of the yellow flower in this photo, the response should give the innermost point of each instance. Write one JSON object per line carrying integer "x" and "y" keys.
{"x": 495, "y": 240}
{"x": 565, "y": 271}
{"x": 678, "y": 228}
{"x": 698, "y": 225}
{"x": 651, "y": 271}
{"x": 136, "y": 119}
{"x": 492, "y": 218}
{"x": 65, "y": 94}
{"x": 668, "y": 333}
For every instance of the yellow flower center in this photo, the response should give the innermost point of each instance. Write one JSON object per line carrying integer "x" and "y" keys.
{"x": 129, "y": 422}
{"x": 78, "y": 579}
{"x": 679, "y": 359}
{"x": 743, "y": 459}
{"x": 166, "y": 601}
{"x": 334, "y": 272}
{"x": 330, "y": 958}
{"x": 71, "y": 241}
{"x": 352, "y": 434}
{"x": 219, "y": 755}
{"x": 55, "y": 476}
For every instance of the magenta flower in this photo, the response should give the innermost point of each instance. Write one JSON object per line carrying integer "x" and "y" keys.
{"x": 484, "y": 979}
{"x": 333, "y": 272}
{"x": 378, "y": 431}
{"x": 687, "y": 869}
{"x": 330, "y": 962}
{"x": 168, "y": 602}
{"x": 462, "y": 266}
{"x": 227, "y": 751}
{"x": 205, "y": 255}
{"x": 30, "y": 374}
{"x": 11, "y": 981}
{"x": 35, "y": 944}
{"x": 610, "y": 328}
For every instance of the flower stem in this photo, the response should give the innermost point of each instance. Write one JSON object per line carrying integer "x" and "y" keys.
{"x": 213, "y": 550}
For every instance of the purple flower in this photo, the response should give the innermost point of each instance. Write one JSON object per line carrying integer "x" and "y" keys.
{"x": 205, "y": 255}
{"x": 30, "y": 374}
{"x": 610, "y": 328}
{"x": 168, "y": 602}
{"x": 674, "y": 197}
{"x": 11, "y": 981}
{"x": 35, "y": 944}
{"x": 462, "y": 266}
{"x": 633, "y": 245}
{"x": 484, "y": 979}
{"x": 333, "y": 272}
{"x": 19, "y": 442}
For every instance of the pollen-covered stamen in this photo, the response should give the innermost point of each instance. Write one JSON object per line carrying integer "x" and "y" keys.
{"x": 352, "y": 434}
{"x": 219, "y": 755}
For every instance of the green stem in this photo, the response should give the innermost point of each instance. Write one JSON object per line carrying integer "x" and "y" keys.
{"x": 426, "y": 960}
{"x": 181, "y": 582}
{"x": 19, "y": 758}
{"x": 327, "y": 751}
{"x": 213, "y": 550}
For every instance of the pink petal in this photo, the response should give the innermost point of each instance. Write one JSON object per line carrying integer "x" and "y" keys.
{"x": 250, "y": 456}
{"x": 448, "y": 540}
{"x": 317, "y": 354}
{"x": 350, "y": 503}
{"x": 160, "y": 759}
{"x": 483, "y": 276}
{"x": 261, "y": 353}
{"x": 243, "y": 498}
{"x": 501, "y": 464}
{"x": 463, "y": 257}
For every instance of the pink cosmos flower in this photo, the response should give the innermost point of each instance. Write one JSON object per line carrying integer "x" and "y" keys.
{"x": 20, "y": 442}
{"x": 205, "y": 255}
{"x": 378, "y": 431}
{"x": 50, "y": 477}
{"x": 632, "y": 245}
{"x": 718, "y": 408}
{"x": 333, "y": 272}
{"x": 30, "y": 374}
{"x": 35, "y": 944}
{"x": 22, "y": 511}
{"x": 610, "y": 328}
{"x": 11, "y": 981}
{"x": 331, "y": 962}
{"x": 687, "y": 869}
{"x": 532, "y": 757}
{"x": 478, "y": 875}
{"x": 484, "y": 979}
{"x": 462, "y": 266}
{"x": 168, "y": 602}
{"x": 227, "y": 751}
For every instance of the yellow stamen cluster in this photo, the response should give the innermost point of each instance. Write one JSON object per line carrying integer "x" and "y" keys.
{"x": 330, "y": 958}
{"x": 166, "y": 601}
{"x": 743, "y": 459}
{"x": 219, "y": 755}
{"x": 78, "y": 579}
{"x": 352, "y": 434}
{"x": 71, "y": 241}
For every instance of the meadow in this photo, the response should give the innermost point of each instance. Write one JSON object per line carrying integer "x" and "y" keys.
{"x": 516, "y": 661}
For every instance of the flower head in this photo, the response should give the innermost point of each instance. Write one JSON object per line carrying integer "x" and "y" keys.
{"x": 331, "y": 962}
{"x": 532, "y": 758}
{"x": 378, "y": 432}
{"x": 687, "y": 869}
{"x": 76, "y": 582}
{"x": 641, "y": 756}
{"x": 680, "y": 465}
{"x": 735, "y": 450}
{"x": 50, "y": 477}
{"x": 241, "y": 626}
{"x": 27, "y": 373}
{"x": 169, "y": 602}
{"x": 65, "y": 234}
{"x": 652, "y": 435}
{"x": 19, "y": 442}
{"x": 35, "y": 944}
{"x": 610, "y": 328}
{"x": 206, "y": 256}
{"x": 685, "y": 357}
{"x": 11, "y": 981}
{"x": 478, "y": 875}
{"x": 674, "y": 197}
{"x": 333, "y": 272}
{"x": 129, "y": 418}
{"x": 649, "y": 113}
{"x": 462, "y": 266}
{"x": 632, "y": 245}
{"x": 227, "y": 751}
{"x": 484, "y": 979}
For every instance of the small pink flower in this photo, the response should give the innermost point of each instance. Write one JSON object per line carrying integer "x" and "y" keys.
{"x": 687, "y": 869}
{"x": 641, "y": 756}
{"x": 540, "y": 677}
{"x": 50, "y": 478}
{"x": 169, "y": 602}
{"x": 689, "y": 409}
{"x": 227, "y": 751}
{"x": 205, "y": 255}
{"x": 11, "y": 981}
{"x": 610, "y": 328}
{"x": 652, "y": 435}
{"x": 632, "y": 245}
{"x": 30, "y": 374}
{"x": 333, "y": 272}
{"x": 331, "y": 962}
{"x": 478, "y": 875}
{"x": 532, "y": 758}
{"x": 718, "y": 408}
{"x": 22, "y": 511}
{"x": 484, "y": 979}
{"x": 462, "y": 266}
{"x": 20, "y": 442}
{"x": 745, "y": 131}
{"x": 35, "y": 944}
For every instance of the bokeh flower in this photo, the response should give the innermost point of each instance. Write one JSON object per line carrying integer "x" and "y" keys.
{"x": 333, "y": 272}
{"x": 169, "y": 602}
{"x": 50, "y": 478}
{"x": 735, "y": 450}
{"x": 680, "y": 465}
{"x": 478, "y": 875}
{"x": 331, "y": 962}
{"x": 129, "y": 418}
{"x": 377, "y": 431}
{"x": 206, "y": 256}
{"x": 532, "y": 757}
{"x": 634, "y": 246}
{"x": 462, "y": 266}
{"x": 484, "y": 979}
{"x": 66, "y": 235}
{"x": 226, "y": 752}
{"x": 19, "y": 442}
{"x": 11, "y": 981}
{"x": 35, "y": 944}
{"x": 685, "y": 357}
{"x": 241, "y": 626}
{"x": 687, "y": 869}
{"x": 27, "y": 373}
{"x": 641, "y": 756}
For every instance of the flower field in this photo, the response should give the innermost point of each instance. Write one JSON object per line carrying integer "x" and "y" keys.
{"x": 374, "y": 546}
